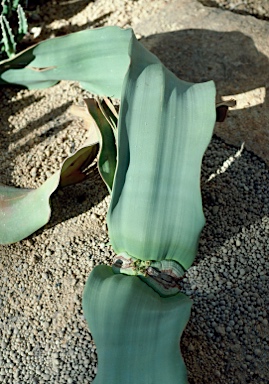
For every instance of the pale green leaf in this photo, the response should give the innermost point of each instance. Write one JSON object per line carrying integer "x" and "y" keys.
{"x": 97, "y": 58}
{"x": 165, "y": 126}
{"x": 23, "y": 211}
{"x": 107, "y": 159}
{"x": 136, "y": 331}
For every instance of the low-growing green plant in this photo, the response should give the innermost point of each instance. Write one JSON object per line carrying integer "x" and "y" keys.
{"x": 13, "y": 27}
{"x": 149, "y": 157}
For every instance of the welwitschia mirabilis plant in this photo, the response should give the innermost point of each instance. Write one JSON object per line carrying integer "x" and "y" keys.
{"x": 135, "y": 310}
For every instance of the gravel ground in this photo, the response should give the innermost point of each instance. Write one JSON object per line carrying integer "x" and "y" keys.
{"x": 44, "y": 337}
{"x": 229, "y": 281}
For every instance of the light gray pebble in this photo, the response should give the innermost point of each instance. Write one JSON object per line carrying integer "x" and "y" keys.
{"x": 265, "y": 322}
{"x": 237, "y": 242}
{"x": 220, "y": 329}
{"x": 215, "y": 209}
{"x": 235, "y": 347}
{"x": 238, "y": 291}
{"x": 257, "y": 352}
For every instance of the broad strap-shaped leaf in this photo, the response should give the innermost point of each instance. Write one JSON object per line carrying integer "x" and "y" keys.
{"x": 136, "y": 331}
{"x": 23, "y": 211}
{"x": 105, "y": 120}
{"x": 97, "y": 58}
{"x": 164, "y": 128}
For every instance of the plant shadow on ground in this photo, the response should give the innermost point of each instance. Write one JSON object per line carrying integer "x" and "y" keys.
{"x": 60, "y": 9}
{"x": 46, "y": 13}
{"x": 76, "y": 199}
{"x": 11, "y": 105}
{"x": 229, "y": 58}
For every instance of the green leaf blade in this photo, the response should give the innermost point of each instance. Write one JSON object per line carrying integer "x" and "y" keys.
{"x": 107, "y": 158}
{"x": 23, "y": 211}
{"x": 97, "y": 58}
{"x": 164, "y": 128}
{"x": 136, "y": 331}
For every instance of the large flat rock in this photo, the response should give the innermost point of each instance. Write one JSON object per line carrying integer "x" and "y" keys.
{"x": 199, "y": 43}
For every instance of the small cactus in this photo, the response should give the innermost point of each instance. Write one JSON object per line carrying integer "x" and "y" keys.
{"x": 13, "y": 26}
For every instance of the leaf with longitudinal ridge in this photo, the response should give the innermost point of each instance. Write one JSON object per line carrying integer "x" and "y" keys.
{"x": 136, "y": 331}
{"x": 97, "y": 58}
{"x": 165, "y": 125}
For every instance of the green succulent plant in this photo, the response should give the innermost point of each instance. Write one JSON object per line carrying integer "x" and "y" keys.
{"x": 150, "y": 159}
{"x": 13, "y": 27}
